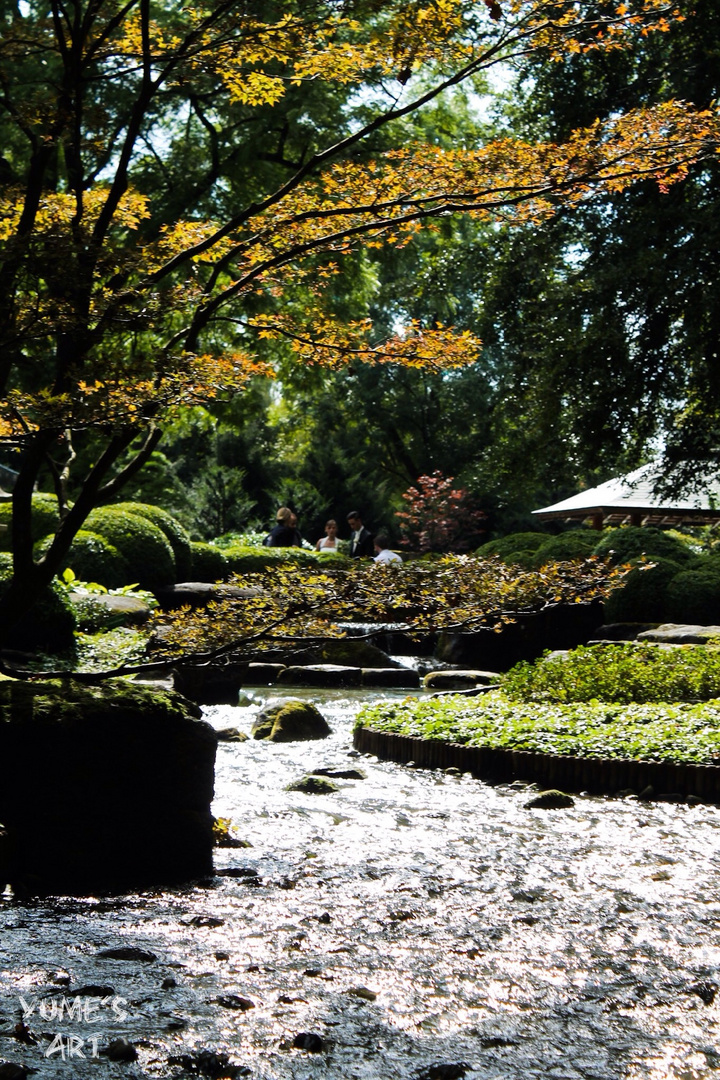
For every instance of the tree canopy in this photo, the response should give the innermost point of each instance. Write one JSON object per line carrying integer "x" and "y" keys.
{"x": 175, "y": 177}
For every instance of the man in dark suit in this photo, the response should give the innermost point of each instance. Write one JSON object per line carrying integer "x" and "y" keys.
{"x": 361, "y": 541}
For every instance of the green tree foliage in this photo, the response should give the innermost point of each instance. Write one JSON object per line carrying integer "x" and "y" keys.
{"x": 605, "y": 322}
{"x": 177, "y": 178}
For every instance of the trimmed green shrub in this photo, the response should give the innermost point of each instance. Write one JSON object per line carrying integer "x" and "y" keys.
{"x": 44, "y": 519}
{"x": 643, "y": 595}
{"x": 208, "y": 562}
{"x": 50, "y": 624}
{"x": 143, "y": 545}
{"x": 623, "y": 672}
{"x": 178, "y": 537}
{"x": 253, "y": 560}
{"x": 576, "y": 544}
{"x": 515, "y": 543}
{"x": 92, "y": 558}
{"x": 630, "y": 541}
{"x": 693, "y": 596}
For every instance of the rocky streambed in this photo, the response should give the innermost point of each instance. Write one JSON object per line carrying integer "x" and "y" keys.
{"x": 410, "y": 923}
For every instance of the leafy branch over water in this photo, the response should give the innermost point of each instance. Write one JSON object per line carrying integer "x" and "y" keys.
{"x": 458, "y": 593}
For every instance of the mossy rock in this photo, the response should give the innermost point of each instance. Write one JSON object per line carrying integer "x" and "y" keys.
{"x": 516, "y": 543}
{"x": 44, "y": 519}
{"x": 350, "y": 652}
{"x": 49, "y": 625}
{"x": 550, "y": 800}
{"x": 105, "y": 788}
{"x": 313, "y": 785}
{"x": 290, "y": 720}
{"x": 208, "y": 562}
{"x": 693, "y": 596}
{"x": 92, "y": 558}
{"x": 631, "y": 541}
{"x": 575, "y": 544}
{"x": 177, "y": 536}
{"x": 143, "y": 545}
{"x": 643, "y": 596}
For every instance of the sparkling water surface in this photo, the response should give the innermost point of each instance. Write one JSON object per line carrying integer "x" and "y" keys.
{"x": 419, "y": 924}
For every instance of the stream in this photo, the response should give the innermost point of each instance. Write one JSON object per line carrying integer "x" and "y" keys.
{"x": 412, "y": 924}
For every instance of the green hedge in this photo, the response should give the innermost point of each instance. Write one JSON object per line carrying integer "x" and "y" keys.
{"x": 92, "y": 558}
{"x": 143, "y": 545}
{"x": 50, "y": 624}
{"x": 631, "y": 541}
{"x": 693, "y": 596}
{"x": 516, "y": 543}
{"x": 44, "y": 519}
{"x": 642, "y": 597}
{"x": 252, "y": 560}
{"x": 208, "y": 562}
{"x": 575, "y": 544}
{"x": 621, "y": 672}
{"x": 177, "y": 536}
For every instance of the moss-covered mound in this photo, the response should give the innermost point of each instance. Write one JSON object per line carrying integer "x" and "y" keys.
{"x": 575, "y": 544}
{"x": 631, "y": 541}
{"x": 177, "y": 536}
{"x": 642, "y": 597}
{"x": 208, "y": 563}
{"x": 104, "y": 788}
{"x": 44, "y": 519}
{"x": 521, "y": 544}
{"x": 242, "y": 559}
{"x": 92, "y": 558}
{"x": 142, "y": 544}
{"x": 49, "y": 624}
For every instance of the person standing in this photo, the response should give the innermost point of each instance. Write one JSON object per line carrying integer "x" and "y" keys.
{"x": 384, "y": 554}
{"x": 361, "y": 541}
{"x": 285, "y": 533}
{"x": 328, "y": 542}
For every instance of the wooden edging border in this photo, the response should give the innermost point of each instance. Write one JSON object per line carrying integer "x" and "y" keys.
{"x": 597, "y": 776}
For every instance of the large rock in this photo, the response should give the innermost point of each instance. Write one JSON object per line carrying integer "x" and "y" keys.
{"x": 289, "y": 720}
{"x": 103, "y": 788}
{"x": 454, "y": 679}
{"x": 200, "y": 593}
{"x": 320, "y": 675}
{"x": 402, "y": 678}
{"x": 124, "y": 610}
{"x": 681, "y": 634}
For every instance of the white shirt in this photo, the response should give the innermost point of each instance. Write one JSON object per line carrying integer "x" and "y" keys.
{"x": 387, "y": 556}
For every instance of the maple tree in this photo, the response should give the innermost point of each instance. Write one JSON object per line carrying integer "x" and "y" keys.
{"x": 293, "y": 606}
{"x": 438, "y": 516}
{"x": 166, "y": 184}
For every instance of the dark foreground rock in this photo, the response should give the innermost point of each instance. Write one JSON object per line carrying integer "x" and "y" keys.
{"x": 103, "y": 789}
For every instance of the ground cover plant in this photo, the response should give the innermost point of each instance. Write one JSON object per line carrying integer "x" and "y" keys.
{"x": 622, "y": 672}
{"x": 619, "y": 700}
{"x": 680, "y": 732}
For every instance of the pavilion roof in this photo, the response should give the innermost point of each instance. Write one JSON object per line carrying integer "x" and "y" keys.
{"x": 631, "y": 498}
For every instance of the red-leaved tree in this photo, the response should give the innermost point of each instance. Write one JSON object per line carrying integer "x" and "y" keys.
{"x": 439, "y": 517}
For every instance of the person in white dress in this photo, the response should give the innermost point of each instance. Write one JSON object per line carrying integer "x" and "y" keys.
{"x": 328, "y": 542}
